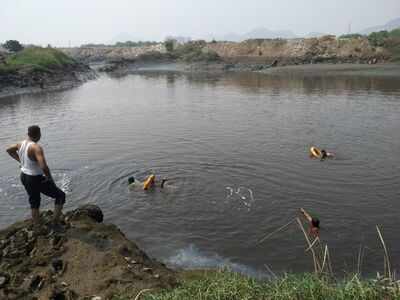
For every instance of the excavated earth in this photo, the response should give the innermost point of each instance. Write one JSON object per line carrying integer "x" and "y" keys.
{"x": 86, "y": 259}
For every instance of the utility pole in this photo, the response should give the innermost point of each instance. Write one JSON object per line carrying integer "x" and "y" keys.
{"x": 349, "y": 28}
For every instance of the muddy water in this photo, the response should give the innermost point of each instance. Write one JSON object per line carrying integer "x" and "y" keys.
{"x": 235, "y": 148}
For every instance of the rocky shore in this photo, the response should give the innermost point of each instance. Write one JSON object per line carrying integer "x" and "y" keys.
{"x": 27, "y": 81}
{"x": 87, "y": 259}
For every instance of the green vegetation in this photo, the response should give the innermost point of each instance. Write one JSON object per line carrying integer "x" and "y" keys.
{"x": 124, "y": 44}
{"x": 393, "y": 45}
{"x": 351, "y": 36}
{"x": 378, "y": 39}
{"x": 195, "y": 52}
{"x": 395, "y": 33}
{"x": 320, "y": 285}
{"x": 191, "y": 52}
{"x": 36, "y": 58}
{"x": 136, "y": 44}
{"x": 13, "y": 46}
{"x": 224, "y": 285}
{"x": 169, "y": 45}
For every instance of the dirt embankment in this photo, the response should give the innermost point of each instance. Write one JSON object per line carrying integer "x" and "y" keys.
{"x": 90, "y": 259}
{"x": 99, "y": 54}
{"x": 327, "y": 49}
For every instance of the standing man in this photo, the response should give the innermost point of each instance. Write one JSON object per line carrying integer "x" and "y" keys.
{"x": 35, "y": 174}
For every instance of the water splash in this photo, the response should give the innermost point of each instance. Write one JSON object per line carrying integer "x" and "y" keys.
{"x": 192, "y": 258}
{"x": 244, "y": 194}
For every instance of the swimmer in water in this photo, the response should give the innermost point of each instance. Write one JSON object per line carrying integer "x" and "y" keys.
{"x": 325, "y": 154}
{"x": 132, "y": 182}
{"x": 314, "y": 224}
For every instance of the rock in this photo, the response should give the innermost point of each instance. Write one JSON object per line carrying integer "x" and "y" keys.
{"x": 36, "y": 283}
{"x": 4, "y": 279}
{"x": 96, "y": 298}
{"x": 40, "y": 266}
{"x": 147, "y": 270}
{"x": 61, "y": 292}
{"x": 57, "y": 265}
{"x": 92, "y": 211}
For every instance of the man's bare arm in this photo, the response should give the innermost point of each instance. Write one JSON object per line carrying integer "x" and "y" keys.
{"x": 13, "y": 151}
{"x": 306, "y": 215}
{"x": 39, "y": 155}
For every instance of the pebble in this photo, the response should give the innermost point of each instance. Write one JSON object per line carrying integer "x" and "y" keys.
{"x": 57, "y": 265}
{"x": 146, "y": 269}
{"x": 30, "y": 234}
{"x": 3, "y": 281}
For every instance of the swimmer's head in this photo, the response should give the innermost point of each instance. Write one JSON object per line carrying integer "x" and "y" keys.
{"x": 131, "y": 180}
{"x": 315, "y": 222}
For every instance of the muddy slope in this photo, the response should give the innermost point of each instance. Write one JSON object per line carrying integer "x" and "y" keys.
{"x": 89, "y": 259}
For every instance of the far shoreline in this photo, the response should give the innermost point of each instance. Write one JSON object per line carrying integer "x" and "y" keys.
{"x": 384, "y": 70}
{"x": 379, "y": 70}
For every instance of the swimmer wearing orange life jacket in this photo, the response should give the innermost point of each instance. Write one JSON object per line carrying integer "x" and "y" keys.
{"x": 148, "y": 183}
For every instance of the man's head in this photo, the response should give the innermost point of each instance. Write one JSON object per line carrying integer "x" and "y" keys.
{"x": 315, "y": 222}
{"x": 34, "y": 133}
{"x": 131, "y": 180}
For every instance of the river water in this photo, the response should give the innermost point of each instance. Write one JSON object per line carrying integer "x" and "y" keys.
{"x": 235, "y": 148}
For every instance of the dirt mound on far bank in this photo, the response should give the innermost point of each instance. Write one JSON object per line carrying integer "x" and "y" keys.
{"x": 89, "y": 259}
{"x": 302, "y": 51}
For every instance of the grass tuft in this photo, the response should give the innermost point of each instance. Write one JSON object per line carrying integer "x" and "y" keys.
{"x": 225, "y": 285}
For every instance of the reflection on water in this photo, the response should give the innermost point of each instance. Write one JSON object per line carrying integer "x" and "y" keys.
{"x": 235, "y": 148}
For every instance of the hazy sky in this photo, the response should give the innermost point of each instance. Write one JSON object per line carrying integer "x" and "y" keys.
{"x": 60, "y": 22}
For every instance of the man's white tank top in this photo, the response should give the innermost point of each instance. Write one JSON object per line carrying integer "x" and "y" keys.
{"x": 28, "y": 166}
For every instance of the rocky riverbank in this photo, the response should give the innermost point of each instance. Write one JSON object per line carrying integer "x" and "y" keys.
{"x": 32, "y": 81}
{"x": 88, "y": 259}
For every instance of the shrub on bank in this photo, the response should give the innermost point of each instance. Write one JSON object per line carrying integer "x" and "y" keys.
{"x": 195, "y": 52}
{"x": 351, "y": 36}
{"x": 13, "y": 46}
{"x": 37, "y": 58}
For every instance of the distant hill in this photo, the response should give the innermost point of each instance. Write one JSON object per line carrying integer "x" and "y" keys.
{"x": 314, "y": 35}
{"x": 388, "y": 26}
{"x": 123, "y": 37}
{"x": 264, "y": 33}
{"x": 257, "y": 33}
